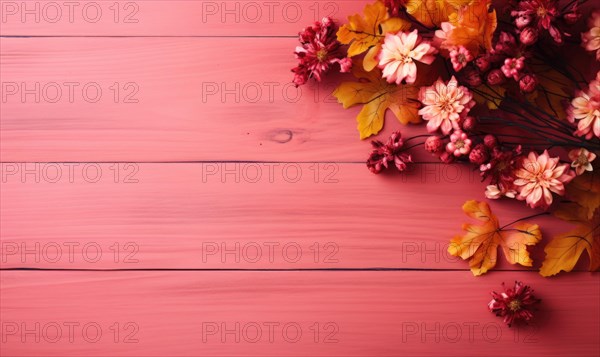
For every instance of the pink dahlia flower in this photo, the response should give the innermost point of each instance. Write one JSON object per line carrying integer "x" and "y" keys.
{"x": 445, "y": 105}
{"x": 582, "y": 160}
{"x": 514, "y": 304}
{"x": 539, "y": 176}
{"x": 399, "y": 53}
{"x": 585, "y": 110}
{"x": 319, "y": 52}
{"x": 591, "y": 39}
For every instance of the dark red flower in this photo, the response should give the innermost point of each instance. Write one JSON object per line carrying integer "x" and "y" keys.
{"x": 542, "y": 14}
{"x": 395, "y": 6}
{"x": 528, "y": 83}
{"x": 479, "y": 154}
{"x": 514, "y": 304}
{"x": 502, "y": 167}
{"x": 319, "y": 51}
{"x": 392, "y": 151}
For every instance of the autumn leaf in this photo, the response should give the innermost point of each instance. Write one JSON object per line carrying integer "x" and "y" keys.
{"x": 473, "y": 27}
{"x": 489, "y": 95}
{"x": 377, "y": 95}
{"x": 432, "y": 13}
{"x": 365, "y": 33}
{"x": 553, "y": 87}
{"x": 480, "y": 242}
{"x": 565, "y": 250}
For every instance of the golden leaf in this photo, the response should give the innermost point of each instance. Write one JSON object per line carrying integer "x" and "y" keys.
{"x": 377, "y": 95}
{"x": 432, "y": 13}
{"x": 365, "y": 33}
{"x": 480, "y": 242}
{"x": 563, "y": 252}
{"x": 489, "y": 95}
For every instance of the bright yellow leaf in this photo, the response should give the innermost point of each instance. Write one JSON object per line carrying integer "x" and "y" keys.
{"x": 377, "y": 95}
{"x": 480, "y": 242}
{"x": 365, "y": 33}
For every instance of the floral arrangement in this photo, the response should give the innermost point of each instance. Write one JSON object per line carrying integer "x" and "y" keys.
{"x": 511, "y": 88}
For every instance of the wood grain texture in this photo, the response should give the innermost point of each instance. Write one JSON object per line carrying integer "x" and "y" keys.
{"x": 242, "y": 215}
{"x": 168, "y": 17}
{"x": 195, "y": 99}
{"x": 369, "y": 314}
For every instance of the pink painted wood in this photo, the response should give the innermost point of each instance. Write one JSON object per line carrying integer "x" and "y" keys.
{"x": 240, "y": 215}
{"x": 194, "y": 88}
{"x": 169, "y": 17}
{"x": 223, "y": 107}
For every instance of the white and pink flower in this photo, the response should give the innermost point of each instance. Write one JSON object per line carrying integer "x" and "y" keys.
{"x": 444, "y": 105}
{"x": 581, "y": 160}
{"x": 591, "y": 40}
{"x": 539, "y": 176}
{"x": 585, "y": 110}
{"x": 399, "y": 53}
{"x": 459, "y": 144}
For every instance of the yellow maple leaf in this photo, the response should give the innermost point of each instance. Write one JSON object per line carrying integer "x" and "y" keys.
{"x": 489, "y": 95}
{"x": 377, "y": 95}
{"x": 480, "y": 242}
{"x": 563, "y": 252}
{"x": 432, "y": 13}
{"x": 365, "y": 33}
{"x": 473, "y": 27}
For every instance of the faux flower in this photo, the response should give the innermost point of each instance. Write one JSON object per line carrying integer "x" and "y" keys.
{"x": 495, "y": 77}
{"x": 433, "y": 144}
{"x": 459, "y": 144}
{"x": 585, "y": 110}
{"x": 512, "y": 67}
{"x": 479, "y": 154}
{"x": 582, "y": 160}
{"x": 399, "y": 53}
{"x": 528, "y": 83}
{"x": 539, "y": 13}
{"x": 460, "y": 57}
{"x": 444, "y": 105}
{"x": 493, "y": 192}
{"x": 591, "y": 40}
{"x": 529, "y": 36}
{"x": 514, "y": 304}
{"x": 319, "y": 52}
{"x": 502, "y": 165}
{"x": 392, "y": 151}
{"x": 539, "y": 176}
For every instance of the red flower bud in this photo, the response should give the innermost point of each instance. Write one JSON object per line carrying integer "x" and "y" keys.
{"x": 495, "y": 77}
{"x": 479, "y": 154}
{"x": 528, "y": 83}
{"x": 447, "y": 158}
{"x": 522, "y": 20}
{"x": 469, "y": 123}
{"x": 528, "y": 36}
{"x": 490, "y": 141}
{"x": 483, "y": 63}
{"x": 471, "y": 77}
{"x": 433, "y": 144}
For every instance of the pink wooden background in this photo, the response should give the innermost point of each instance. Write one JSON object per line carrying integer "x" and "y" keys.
{"x": 166, "y": 191}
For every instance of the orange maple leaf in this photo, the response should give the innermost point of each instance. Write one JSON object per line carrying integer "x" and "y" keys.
{"x": 480, "y": 242}
{"x": 377, "y": 95}
{"x": 432, "y": 13}
{"x": 472, "y": 26}
{"x": 565, "y": 250}
{"x": 365, "y": 33}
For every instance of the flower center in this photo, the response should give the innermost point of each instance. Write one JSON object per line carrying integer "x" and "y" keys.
{"x": 582, "y": 160}
{"x": 461, "y": 58}
{"x": 542, "y": 12}
{"x": 322, "y": 55}
{"x": 446, "y": 105}
{"x": 459, "y": 144}
{"x": 514, "y": 305}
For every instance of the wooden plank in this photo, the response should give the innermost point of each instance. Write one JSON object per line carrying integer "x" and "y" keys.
{"x": 240, "y": 215}
{"x": 168, "y": 17}
{"x": 354, "y": 313}
{"x": 183, "y": 99}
